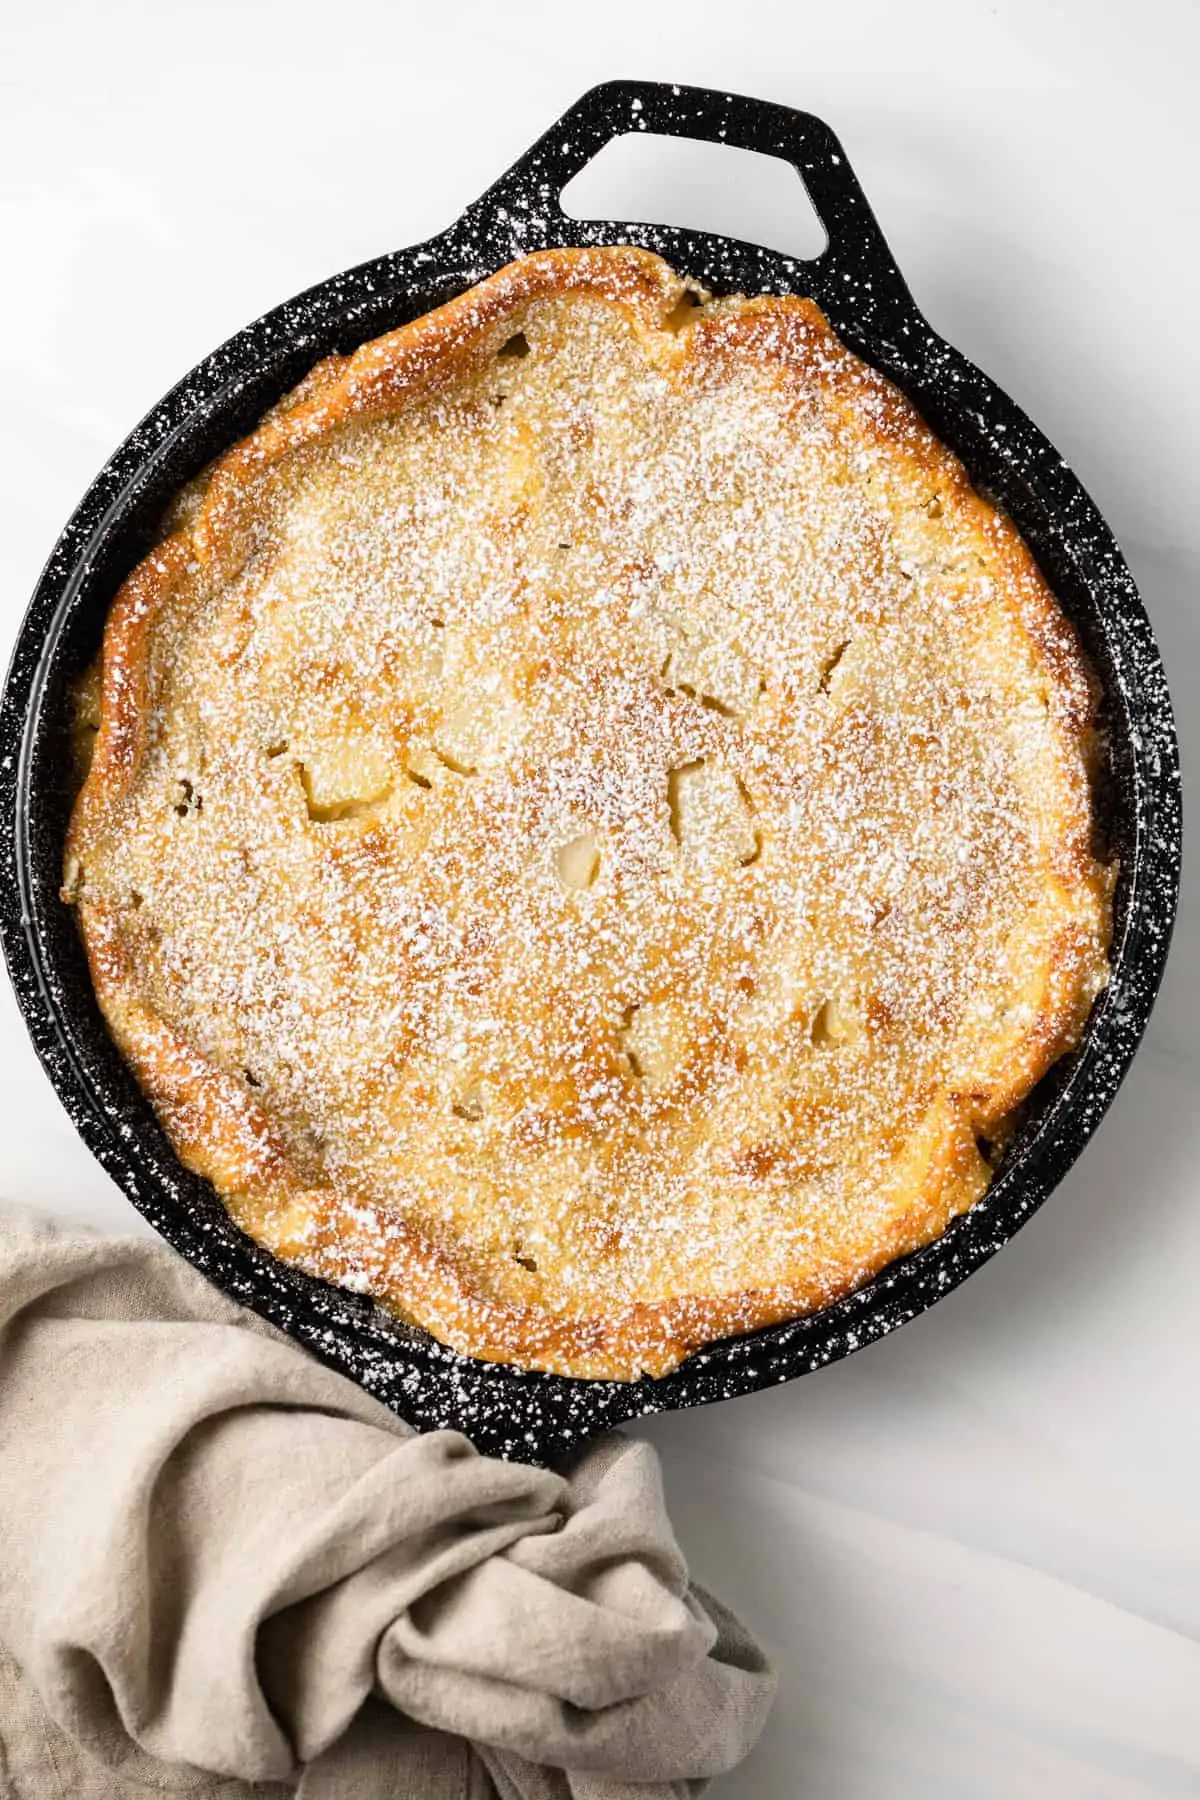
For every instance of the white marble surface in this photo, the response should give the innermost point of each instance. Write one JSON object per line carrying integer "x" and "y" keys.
{"x": 974, "y": 1547}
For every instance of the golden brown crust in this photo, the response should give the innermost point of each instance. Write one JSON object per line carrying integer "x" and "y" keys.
{"x": 936, "y": 1169}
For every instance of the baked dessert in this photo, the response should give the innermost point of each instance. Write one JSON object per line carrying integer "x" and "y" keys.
{"x": 590, "y": 831}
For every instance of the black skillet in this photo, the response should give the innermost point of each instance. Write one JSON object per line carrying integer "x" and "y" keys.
{"x": 506, "y": 1411}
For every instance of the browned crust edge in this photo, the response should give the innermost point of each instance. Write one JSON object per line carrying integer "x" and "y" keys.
{"x": 218, "y": 1129}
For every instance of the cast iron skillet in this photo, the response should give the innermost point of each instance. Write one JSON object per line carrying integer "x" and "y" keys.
{"x": 506, "y": 1411}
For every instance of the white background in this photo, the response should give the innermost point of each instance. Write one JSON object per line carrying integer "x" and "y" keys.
{"x": 974, "y": 1547}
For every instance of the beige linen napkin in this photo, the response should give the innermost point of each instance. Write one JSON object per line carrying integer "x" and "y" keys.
{"x": 222, "y": 1564}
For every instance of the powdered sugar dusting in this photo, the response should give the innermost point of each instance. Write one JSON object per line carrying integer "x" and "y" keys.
{"x": 612, "y": 823}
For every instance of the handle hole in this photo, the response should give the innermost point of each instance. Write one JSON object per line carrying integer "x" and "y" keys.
{"x": 704, "y": 187}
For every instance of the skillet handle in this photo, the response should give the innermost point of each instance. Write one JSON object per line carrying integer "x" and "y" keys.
{"x": 531, "y": 190}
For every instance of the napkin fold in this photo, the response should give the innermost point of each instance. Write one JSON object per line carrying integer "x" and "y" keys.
{"x": 223, "y": 1564}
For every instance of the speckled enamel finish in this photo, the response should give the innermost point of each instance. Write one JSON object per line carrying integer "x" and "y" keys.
{"x": 507, "y": 1411}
